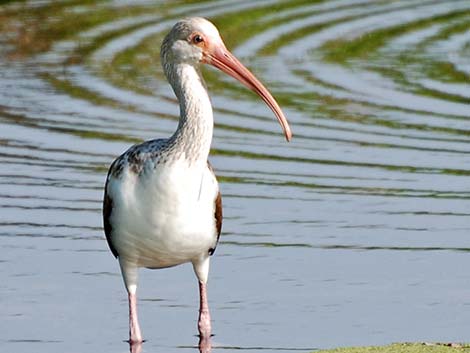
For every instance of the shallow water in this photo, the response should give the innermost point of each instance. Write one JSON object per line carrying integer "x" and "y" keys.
{"x": 355, "y": 233}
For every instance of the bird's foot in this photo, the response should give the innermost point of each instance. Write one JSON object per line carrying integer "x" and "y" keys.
{"x": 135, "y": 336}
{"x": 135, "y": 341}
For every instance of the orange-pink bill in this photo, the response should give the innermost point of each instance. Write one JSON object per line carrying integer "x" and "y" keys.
{"x": 225, "y": 61}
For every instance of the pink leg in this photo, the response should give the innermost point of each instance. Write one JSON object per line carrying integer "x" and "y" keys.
{"x": 135, "y": 336}
{"x": 204, "y": 323}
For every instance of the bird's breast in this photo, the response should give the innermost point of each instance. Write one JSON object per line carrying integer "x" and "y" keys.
{"x": 164, "y": 216}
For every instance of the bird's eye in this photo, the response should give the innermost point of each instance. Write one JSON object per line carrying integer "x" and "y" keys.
{"x": 197, "y": 39}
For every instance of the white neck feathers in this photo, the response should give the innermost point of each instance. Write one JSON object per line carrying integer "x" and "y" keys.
{"x": 194, "y": 134}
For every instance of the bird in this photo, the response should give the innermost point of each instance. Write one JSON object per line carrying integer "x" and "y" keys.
{"x": 162, "y": 205}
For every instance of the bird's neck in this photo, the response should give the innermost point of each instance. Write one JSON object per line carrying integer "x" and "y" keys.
{"x": 193, "y": 137}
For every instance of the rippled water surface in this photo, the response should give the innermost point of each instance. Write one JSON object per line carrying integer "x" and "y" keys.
{"x": 355, "y": 233}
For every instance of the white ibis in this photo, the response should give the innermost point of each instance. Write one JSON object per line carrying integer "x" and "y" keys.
{"x": 162, "y": 205}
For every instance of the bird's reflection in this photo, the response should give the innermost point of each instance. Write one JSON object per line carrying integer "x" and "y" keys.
{"x": 205, "y": 346}
{"x": 135, "y": 347}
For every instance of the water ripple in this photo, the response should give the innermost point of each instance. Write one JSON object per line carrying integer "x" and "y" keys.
{"x": 377, "y": 93}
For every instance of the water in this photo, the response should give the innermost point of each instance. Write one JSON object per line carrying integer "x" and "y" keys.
{"x": 355, "y": 233}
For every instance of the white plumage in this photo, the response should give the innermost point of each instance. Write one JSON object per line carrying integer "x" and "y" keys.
{"x": 165, "y": 217}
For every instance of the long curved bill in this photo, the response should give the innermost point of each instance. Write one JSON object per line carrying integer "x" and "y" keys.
{"x": 225, "y": 61}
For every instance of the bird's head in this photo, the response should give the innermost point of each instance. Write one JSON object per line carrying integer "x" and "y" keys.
{"x": 195, "y": 40}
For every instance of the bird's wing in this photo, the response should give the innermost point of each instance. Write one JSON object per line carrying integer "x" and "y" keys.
{"x": 134, "y": 158}
{"x": 217, "y": 213}
{"x": 107, "y": 210}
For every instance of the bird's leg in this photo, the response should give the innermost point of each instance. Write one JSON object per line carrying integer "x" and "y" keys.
{"x": 204, "y": 322}
{"x": 201, "y": 268}
{"x": 129, "y": 275}
{"x": 135, "y": 336}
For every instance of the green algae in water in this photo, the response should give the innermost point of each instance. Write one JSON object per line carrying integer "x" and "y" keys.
{"x": 366, "y": 46}
{"x": 404, "y": 348}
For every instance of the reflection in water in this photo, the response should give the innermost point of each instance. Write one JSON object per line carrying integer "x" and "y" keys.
{"x": 204, "y": 346}
{"x": 368, "y": 205}
{"x": 135, "y": 347}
